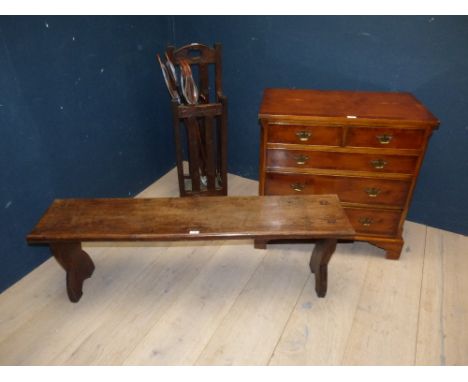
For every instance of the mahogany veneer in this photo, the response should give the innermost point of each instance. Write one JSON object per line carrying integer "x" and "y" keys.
{"x": 366, "y": 147}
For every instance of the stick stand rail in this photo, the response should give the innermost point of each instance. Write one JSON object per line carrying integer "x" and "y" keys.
{"x": 200, "y": 131}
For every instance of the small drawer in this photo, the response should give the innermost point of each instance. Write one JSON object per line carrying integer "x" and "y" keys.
{"x": 385, "y": 138}
{"x": 349, "y": 189}
{"x": 374, "y": 221}
{"x": 280, "y": 158}
{"x": 305, "y": 135}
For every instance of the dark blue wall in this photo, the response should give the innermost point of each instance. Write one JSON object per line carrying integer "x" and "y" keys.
{"x": 83, "y": 113}
{"x": 427, "y": 56}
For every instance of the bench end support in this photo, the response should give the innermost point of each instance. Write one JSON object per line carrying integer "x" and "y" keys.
{"x": 260, "y": 244}
{"x": 321, "y": 255}
{"x": 77, "y": 264}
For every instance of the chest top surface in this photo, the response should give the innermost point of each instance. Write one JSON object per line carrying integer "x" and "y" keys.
{"x": 345, "y": 105}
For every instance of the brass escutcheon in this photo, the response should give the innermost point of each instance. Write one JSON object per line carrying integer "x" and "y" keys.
{"x": 372, "y": 192}
{"x": 379, "y": 164}
{"x": 303, "y": 135}
{"x": 301, "y": 159}
{"x": 366, "y": 221}
{"x": 384, "y": 139}
{"x": 297, "y": 186}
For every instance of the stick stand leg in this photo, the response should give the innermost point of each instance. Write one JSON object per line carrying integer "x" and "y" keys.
{"x": 77, "y": 264}
{"x": 318, "y": 264}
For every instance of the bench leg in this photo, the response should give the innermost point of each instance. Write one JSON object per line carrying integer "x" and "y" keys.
{"x": 321, "y": 255}
{"x": 77, "y": 264}
{"x": 260, "y": 244}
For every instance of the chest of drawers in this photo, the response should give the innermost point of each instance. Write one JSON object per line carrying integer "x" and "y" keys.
{"x": 366, "y": 147}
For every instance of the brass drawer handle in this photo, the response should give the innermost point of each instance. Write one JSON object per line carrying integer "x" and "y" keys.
{"x": 303, "y": 135}
{"x": 301, "y": 159}
{"x": 297, "y": 187}
{"x": 384, "y": 139}
{"x": 372, "y": 192}
{"x": 379, "y": 164}
{"x": 366, "y": 221}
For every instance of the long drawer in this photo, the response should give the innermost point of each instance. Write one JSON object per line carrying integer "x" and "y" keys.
{"x": 280, "y": 158}
{"x": 349, "y": 189}
{"x": 374, "y": 221}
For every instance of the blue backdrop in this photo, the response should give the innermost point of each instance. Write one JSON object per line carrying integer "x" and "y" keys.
{"x": 84, "y": 111}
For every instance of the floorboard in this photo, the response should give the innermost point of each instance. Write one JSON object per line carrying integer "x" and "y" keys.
{"x": 225, "y": 303}
{"x": 318, "y": 329}
{"x": 183, "y": 330}
{"x": 385, "y": 323}
{"x": 443, "y": 317}
{"x": 253, "y": 326}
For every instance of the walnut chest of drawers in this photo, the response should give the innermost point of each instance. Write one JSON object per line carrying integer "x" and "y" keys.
{"x": 367, "y": 147}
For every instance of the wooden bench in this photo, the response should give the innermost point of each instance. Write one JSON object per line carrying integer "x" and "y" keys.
{"x": 69, "y": 222}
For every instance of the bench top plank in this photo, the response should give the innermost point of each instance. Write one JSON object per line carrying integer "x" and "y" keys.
{"x": 162, "y": 219}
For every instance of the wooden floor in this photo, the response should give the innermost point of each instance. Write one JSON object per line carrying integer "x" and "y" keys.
{"x": 226, "y": 303}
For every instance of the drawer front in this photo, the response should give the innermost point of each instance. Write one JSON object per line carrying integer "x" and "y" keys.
{"x": 349, "y": 189}
{"x": 305, "y": 135}
{"x": 385, "y": 138}
{"x": 374, "y": 221}
{"x": 279, "y": 158}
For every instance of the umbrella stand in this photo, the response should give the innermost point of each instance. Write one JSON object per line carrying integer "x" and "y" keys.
{"x": 200, "y": 129}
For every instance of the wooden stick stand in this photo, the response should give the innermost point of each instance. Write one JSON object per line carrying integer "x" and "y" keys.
{"x": 200, "y": 131}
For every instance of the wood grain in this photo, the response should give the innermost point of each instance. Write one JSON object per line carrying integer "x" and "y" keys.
{"x": 365, "y": 319}
{"x": 255, "y": 322}
{"x": 443, "y": 335}
{"x": 337, "y": 105}
{"x": 207, "y": 146}
{"x": 71, "y": 220}
{"x": 386, "y": 319}
{"x": 303, "y": 134}
{"x": 108, "y": 341}
{"x": 343, "y": 161}
{"x": 46, "y": 333}
{"x": 186, "y": 326}
{"x": 317, "y": 331}
{"x": 41, "y": 288}
{"x": 399, "y": 138}
{"x": 374, "y": 221}
{"x": 389, "y": 193}
{"x": 319, "y": 135}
